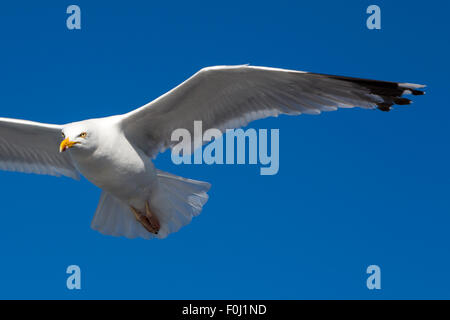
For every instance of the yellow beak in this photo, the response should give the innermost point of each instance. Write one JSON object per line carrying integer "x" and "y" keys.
{"x": 66, "y": 144}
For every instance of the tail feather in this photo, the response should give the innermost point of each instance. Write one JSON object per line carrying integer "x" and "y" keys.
{"x": 176, "y": 201}
{"x": 113, "y": 217}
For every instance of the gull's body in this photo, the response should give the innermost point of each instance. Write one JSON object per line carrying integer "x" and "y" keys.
{"x": 116, "y": 167}
{"x": 114, "y": 153}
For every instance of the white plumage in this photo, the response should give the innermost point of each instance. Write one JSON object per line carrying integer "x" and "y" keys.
{"x": 113, "y": 152}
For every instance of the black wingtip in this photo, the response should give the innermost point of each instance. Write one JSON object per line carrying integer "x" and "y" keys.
{"x": 386, "y": 107}
{"x": 387, "y": 93}
{"x": 402, "y": 101}
{"x": 390, "y": 92}
{"x": 417, "y": 92}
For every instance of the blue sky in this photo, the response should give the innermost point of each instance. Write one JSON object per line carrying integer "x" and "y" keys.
{"x": 355, "y": 187}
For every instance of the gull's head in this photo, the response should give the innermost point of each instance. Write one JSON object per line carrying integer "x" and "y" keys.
{"x": 79, "y": 136}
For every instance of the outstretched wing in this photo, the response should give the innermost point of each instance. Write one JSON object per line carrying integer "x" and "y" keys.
{"x": 231, "y": 96}
{"x": 32, "y": 147}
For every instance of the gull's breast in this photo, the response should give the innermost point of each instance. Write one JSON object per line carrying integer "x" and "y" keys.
{"x": 122, "y": 171}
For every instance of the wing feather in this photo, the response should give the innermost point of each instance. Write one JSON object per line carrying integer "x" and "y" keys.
{"x": 32, "y": 147}
{"x": 232, "y": 96}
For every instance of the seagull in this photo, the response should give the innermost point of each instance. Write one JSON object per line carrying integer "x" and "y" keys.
{"x": 115, "y": 153}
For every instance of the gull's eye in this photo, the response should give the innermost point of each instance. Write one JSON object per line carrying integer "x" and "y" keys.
{"x": 83, "y": 135}
{"x": 63, "y": 135}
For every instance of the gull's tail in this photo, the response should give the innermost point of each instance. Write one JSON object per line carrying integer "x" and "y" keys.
{"x": 175, "y": 202}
